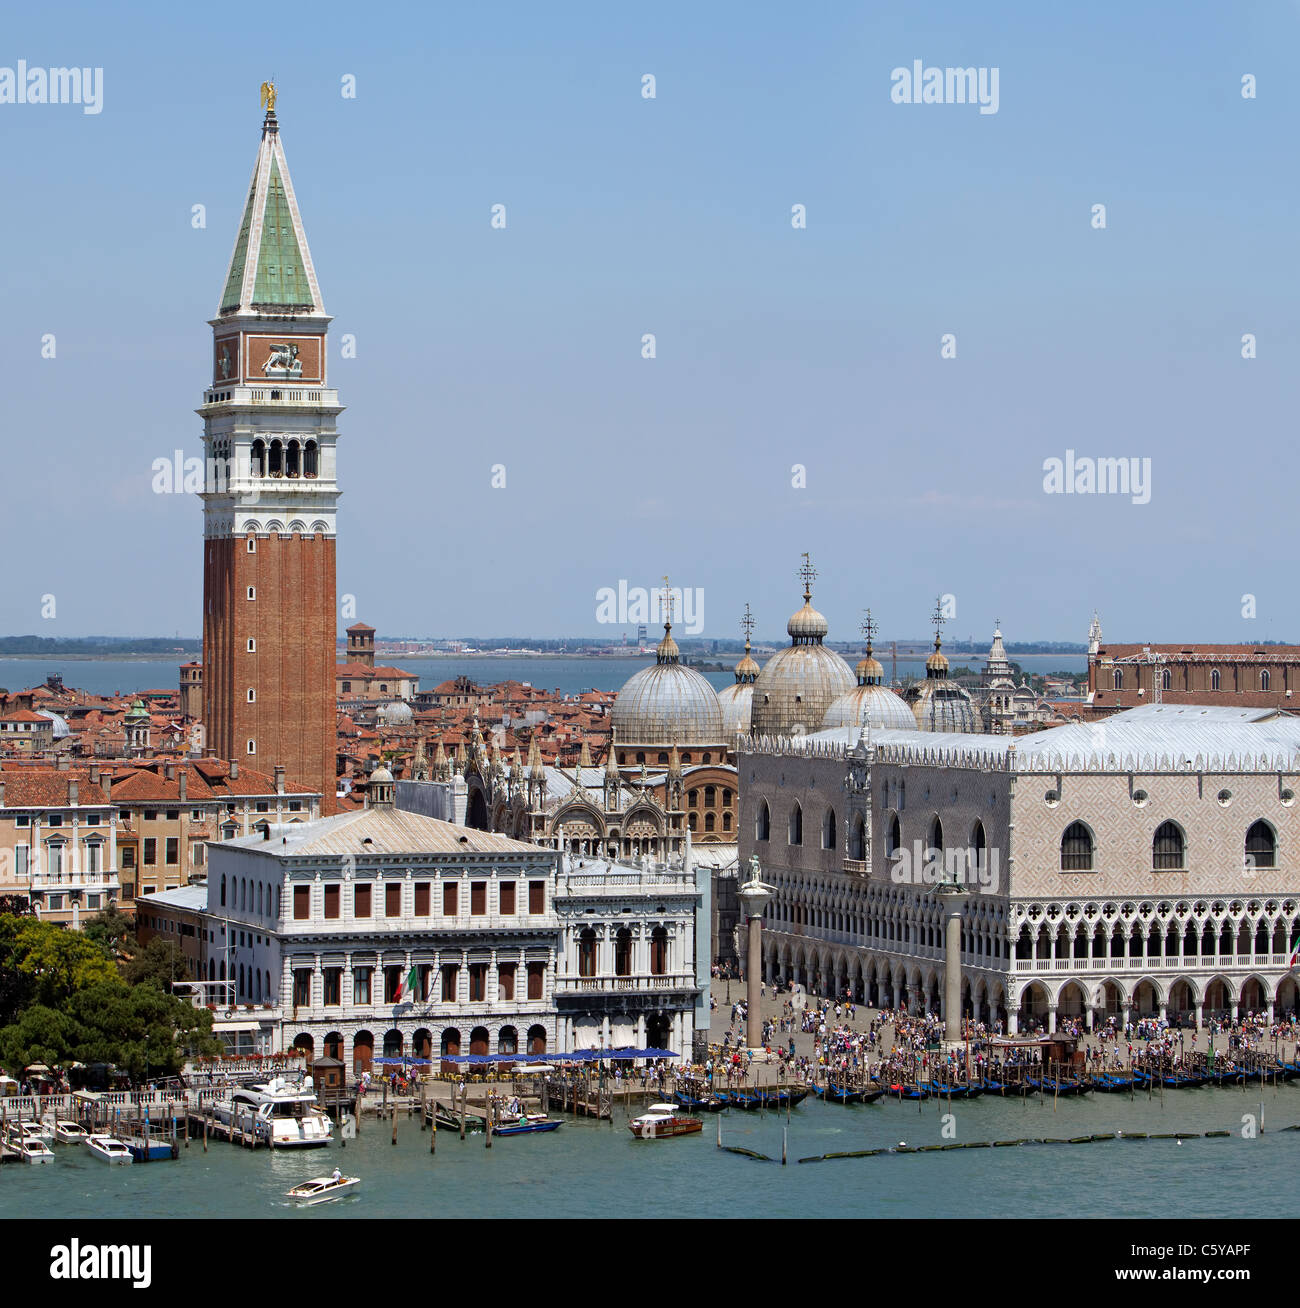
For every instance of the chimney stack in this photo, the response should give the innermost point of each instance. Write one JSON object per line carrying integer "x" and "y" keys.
{"x": 72, "y": 792}
{"x": 94, "y": 774}
{"x": 62, "y": 764}
{"x": 279, "y": 778}
{"x": 106, "y": 785}
{"x": 169, "y": 771}
{"x": 182, "y": 781}
{"x": 234, "y": 769}
{"x": 2, "y": 792}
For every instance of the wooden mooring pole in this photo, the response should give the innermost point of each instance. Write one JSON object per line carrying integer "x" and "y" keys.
{"x": 464, "y": 1095}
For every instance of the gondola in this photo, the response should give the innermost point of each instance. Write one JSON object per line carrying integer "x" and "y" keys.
{"x": 1051, "y": 1085}
{"x": 837, "y": 1094}
{"x": 694, "y": 1104}
{"x": 908, "y": 1091}
{"x": 1107, "y": 1083}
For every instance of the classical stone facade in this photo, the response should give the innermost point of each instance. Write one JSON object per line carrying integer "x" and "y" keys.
{"x": 1141, "y": 866}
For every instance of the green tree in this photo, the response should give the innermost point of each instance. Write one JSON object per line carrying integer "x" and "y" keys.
{"x": 111, "y": 929}
{"x": 43, "y": 963}
{"x": 41, "y": 1035}
{"x": 160, "y": 961}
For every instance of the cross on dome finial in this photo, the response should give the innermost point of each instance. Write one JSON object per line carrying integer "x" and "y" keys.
{"x": 668, "y": 605}
{"x": 937, "y": 617}
{"x": 809, "y": 575}
{"x": 747, "y": 626}
{"x": 869, "y": 629}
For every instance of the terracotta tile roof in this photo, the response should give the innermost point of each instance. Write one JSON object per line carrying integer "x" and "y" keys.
{"x": 48, "y": 787}
{"x": 1278, "y": 653}
{"x": 26, "y": 715}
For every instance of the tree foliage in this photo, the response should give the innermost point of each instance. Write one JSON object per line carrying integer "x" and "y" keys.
{"x": 62, "y": 1000}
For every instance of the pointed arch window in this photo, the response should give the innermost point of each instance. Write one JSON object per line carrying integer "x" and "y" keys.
{"x": 796, "y": 826}
{"x": 763, "y": 822}
{"x": 1168, "y": 848}
{"x": 1264, "y": 679}
{"x": 858, "y": 838}
{"x": 1214, "y": 678}
{"x": 893, "y": 836}
{"x": 936, "y": 835}
{"x": 979, "y": 847}
{"x": 1261, "y": 846}
{"x": 828, "y": 829}
{"x": 1076, "y": 848}
{"x": 1166, "y": 679}
{"x": 1119, "y": 678}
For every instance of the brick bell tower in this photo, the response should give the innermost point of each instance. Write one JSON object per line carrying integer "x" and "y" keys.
{"x": 271, "y": 496}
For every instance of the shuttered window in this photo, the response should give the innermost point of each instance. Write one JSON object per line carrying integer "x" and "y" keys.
{"x": 393, "y": 900}
{"x": 537, "y": 896}
{"x": 449, "y": 899}
{"x": 477, "y": 898}
{"x": 506, "y": 891}
{"x": 301, "y": 903}
{"x": 361, "y": 901}
{"x": 331, "y": 901}
{"x": 421, "y": 899}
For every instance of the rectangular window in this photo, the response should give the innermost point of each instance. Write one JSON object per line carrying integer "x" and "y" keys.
{"x": 450, "y": 982}
{"x": 506, "y": 890}
{"x": 198, "y": 853}
{"x": 426, "y": 978}
{"x": 393, "y": 899}
{"x": 301, "y": 987}
{"x": 93, "y": 859}
{"x": 449, "y": 899}
{"x": 332, "y": 901}
{"x": 421, "y": 899}
{"x": 478, "y": 982}
{"x": 173, "y": 851}
{"x": 150, "y": 850}
{"x": 537, "y": 896}
{"x": 536, "y": 980}
{"x": 128, "y": 856}
{"x": 360, "y": 901}
{"x": 56, "y": 901}
{"x": 92, "y": 901}
{"x": 54, "y": 820}
{"x": 301, "y": 903}
{"x": 477, "y": 898}
{"x": 392, "y": 983}
{"x": 333, "y": 987}
{"x": 506, "y": 982}
{"x": 361, "y": 985}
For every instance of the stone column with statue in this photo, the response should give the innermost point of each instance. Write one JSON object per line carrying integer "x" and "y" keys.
{"x": 754, "y": 898}
{"x": 954, "y": 896}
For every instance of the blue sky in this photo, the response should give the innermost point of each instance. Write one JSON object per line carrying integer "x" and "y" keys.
{"x": 672, "y": 216}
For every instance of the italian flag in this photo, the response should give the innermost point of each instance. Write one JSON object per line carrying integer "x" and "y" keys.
{"x": 1295, "y": 953}
{"x": 407, "y": 989}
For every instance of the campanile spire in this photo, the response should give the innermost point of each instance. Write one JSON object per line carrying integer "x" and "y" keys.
{"x": 271, "y": 497}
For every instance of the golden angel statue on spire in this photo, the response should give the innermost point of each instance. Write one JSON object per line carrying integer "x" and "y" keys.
{"x": 268, "y": 96}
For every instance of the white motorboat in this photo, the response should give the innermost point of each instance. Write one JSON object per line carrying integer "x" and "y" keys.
{"x": 281, "y": 1111}
{"x": 30, "y": 1149}
{"x": 70, "y": 1133}
{"x": 108, "y": 1148}
{"x": 321, "y": 1189}
{"x": 30, "y": 1130}
{"x": 662, "y": 1121}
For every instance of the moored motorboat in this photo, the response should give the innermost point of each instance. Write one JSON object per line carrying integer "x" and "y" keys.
{"x": 661, "y": 1121}
{"x": 70, "y": 1133}
{"x": 108, "y": 1148}
{"x": 321, "y": 1189}
{"x": 284, "y": 1113}
{"x": 30, "y": 1149}
{"x": 32, "y": 1130}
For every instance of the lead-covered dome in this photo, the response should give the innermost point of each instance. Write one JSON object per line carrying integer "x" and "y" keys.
{"x": 870, "y": 703}
{"x": 799, "y": 683}
{"x": 668, "y": 703}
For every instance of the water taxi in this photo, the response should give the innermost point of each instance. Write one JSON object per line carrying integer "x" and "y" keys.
{"x": 280, "y": 1111}
{"x": 30, "y": 1149}
{"x": 70, "y": 1133}
{"x": 322, "y": 1189}
{"x": 31, "y": 1130}
{"x": 108, "y": 1148}
{"x": 660, "y": 1121}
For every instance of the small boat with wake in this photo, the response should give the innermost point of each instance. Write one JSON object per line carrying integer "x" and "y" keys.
{"x": 321, "y": 1189}
{"x": 662, "y": 1121}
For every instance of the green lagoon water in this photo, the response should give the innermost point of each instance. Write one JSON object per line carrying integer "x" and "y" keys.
{"x": 588, "y": 1169}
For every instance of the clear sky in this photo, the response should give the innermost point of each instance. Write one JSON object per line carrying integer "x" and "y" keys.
{"x": 776, "y": 346}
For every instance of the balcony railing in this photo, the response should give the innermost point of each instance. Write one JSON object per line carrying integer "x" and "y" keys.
{"x": 1171, "y": 963}
{"x": 619, "y": 984}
